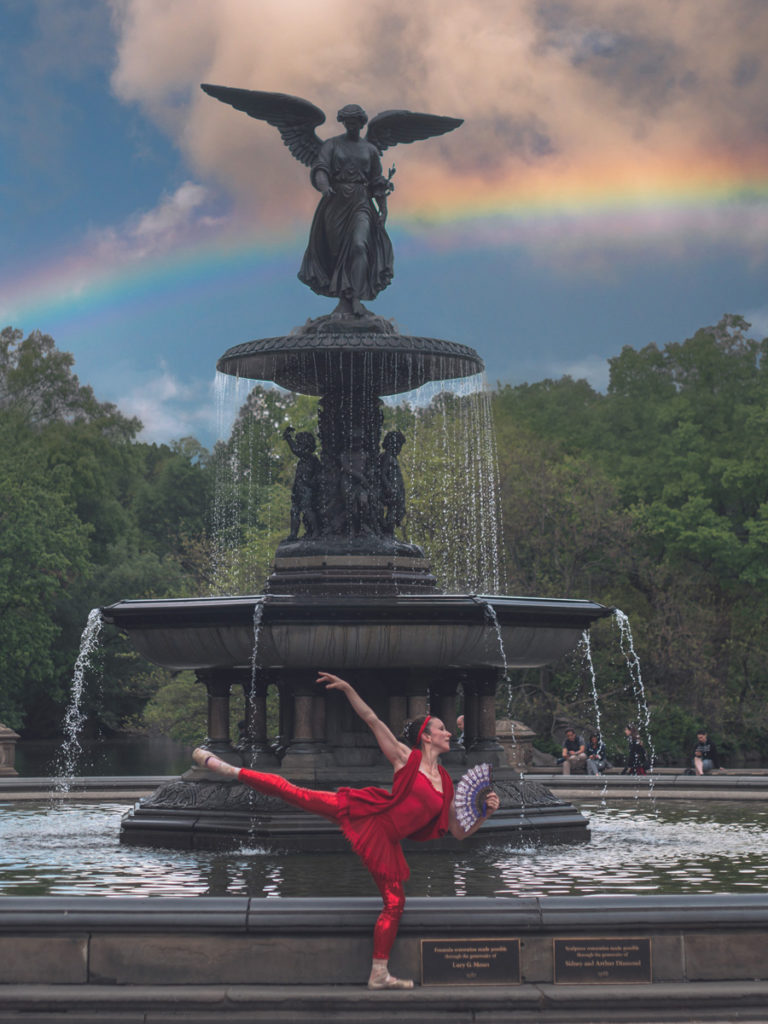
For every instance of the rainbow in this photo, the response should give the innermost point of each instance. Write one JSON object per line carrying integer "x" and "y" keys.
{"x": 81, "y": 285}
{"x": 591, "y": 202}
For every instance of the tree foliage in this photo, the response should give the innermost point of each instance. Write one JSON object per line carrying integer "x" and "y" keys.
{"x": 673, "y": 454}
{"x": 89, "y": 515}
{"x": 651, "y": 497}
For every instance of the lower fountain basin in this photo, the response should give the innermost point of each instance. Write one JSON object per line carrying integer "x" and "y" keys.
{"x": 410, "y": 631}
{"x": 397, "y": 648}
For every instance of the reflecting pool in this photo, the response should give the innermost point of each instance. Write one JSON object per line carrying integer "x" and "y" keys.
{"x": 707, "y": 847}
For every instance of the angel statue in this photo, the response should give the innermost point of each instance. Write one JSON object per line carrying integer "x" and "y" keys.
{"x": 349, "y": 254}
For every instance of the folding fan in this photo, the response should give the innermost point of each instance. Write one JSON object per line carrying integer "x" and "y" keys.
{"x": 470, "y": 796}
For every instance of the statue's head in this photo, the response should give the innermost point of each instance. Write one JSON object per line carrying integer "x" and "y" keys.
{"x": 305, "y": 442}
{"x": 352, "y": 112}
{"x": 393, "y": 441}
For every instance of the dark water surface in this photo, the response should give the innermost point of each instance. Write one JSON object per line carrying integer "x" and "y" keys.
{"x": 709, "y": 847}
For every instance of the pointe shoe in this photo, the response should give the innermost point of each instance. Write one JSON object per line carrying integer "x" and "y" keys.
{"x": 388, "y": 981}
{"x": 211, "y": 763}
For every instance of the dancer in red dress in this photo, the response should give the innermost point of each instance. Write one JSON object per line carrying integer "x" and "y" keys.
{"x": 374, "y": 820}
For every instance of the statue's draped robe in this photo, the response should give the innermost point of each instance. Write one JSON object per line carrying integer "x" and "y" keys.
{"x": 349, "y": 253}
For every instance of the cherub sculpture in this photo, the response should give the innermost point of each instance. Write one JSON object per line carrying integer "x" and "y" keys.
{"x": 306, "y": 483}
{"x": 392, "y": 488}
{"x": 349, "y": 254}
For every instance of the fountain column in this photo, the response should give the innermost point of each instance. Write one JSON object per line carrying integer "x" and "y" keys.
{"x": 443, "y": 704}
{"x": 482, "y": 744}
{"x": 397, "y": 712}
{"x": 218, "y": 682}
{"x": 471, "y": 716}
{"x": 306, "y": 748}
{"x": 257, "y": 752}
{"x": 416, "y": 690}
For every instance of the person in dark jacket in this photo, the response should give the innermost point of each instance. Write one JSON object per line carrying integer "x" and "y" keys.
{"x": 705, "y": 757}
{"x": 595, "y": 751}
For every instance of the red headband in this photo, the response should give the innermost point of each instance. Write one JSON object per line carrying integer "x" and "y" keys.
{"x": 421, "y": 731}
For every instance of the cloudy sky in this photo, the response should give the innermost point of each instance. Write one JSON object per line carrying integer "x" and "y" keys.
{"x": 609, "y": 186}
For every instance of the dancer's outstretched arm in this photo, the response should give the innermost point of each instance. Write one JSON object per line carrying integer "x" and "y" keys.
{"x": 396, "y": 753}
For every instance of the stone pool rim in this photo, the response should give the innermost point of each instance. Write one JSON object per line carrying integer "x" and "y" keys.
{"x": 221, "y": 957}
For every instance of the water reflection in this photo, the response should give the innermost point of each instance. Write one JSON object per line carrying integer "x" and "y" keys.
{"x": 72, "y": 849}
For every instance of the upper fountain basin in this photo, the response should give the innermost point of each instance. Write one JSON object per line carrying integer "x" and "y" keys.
{"x": 339, "y": 633}
{"x": 314, "y": 362}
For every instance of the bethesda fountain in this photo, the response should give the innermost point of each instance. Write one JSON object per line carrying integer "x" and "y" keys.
{"x": 345, "y": 594}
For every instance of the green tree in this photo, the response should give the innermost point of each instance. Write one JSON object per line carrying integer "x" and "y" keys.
{"x": 43, "y": 550}
{"x": 673, "y": 454}
{"x": 91, "y": 515}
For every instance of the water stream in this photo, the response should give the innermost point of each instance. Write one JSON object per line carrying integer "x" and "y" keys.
{"x": 585, "y": 649}
{"x": 638, "y": 687}
{"x": 67, "y": 761}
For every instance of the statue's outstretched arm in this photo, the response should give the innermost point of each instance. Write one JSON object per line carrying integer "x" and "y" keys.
{"x": 295, "y": 118}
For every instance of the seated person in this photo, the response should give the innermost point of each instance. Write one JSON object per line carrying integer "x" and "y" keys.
{"x": 574, "y": 753}
{"x": 705, "y": 757}
{"x": 595, "y": 751}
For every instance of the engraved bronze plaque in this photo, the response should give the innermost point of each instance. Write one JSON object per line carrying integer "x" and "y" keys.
{"x": 595, "y": 961}
{"x": 470, "y": 961}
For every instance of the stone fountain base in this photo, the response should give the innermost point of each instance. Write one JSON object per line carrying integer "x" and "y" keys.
{"x": 197, "y": 812}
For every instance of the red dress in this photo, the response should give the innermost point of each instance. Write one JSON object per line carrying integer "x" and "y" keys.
{"x": 375, "y": 821}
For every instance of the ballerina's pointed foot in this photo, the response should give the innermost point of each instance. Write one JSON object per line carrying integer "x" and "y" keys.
{"x": 212, "y": 763}
{"x": 390, "y": 982}
{"x": 381, "y": 978}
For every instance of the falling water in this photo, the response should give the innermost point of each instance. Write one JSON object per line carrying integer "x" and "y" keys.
{"x": 258, "y": 614}
{"x": 450, "y": 439}
{"x": 461, "y": 534}
{"x": 638, "y": 689}
{"x": 225, "y": 513}
{"x": 492, "y": 619}
{"x": 585, "y": 648}
{"x": 75, "y": 716}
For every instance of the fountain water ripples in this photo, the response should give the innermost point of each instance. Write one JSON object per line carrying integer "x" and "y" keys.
{"x": 665, "y": 851}
{"x": 73, "y": 850}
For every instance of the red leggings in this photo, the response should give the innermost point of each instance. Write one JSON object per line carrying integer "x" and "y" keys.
{"x": 326, "y": 804}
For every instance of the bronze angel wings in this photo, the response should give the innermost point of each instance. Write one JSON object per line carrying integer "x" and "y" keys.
{"x": 296, "y": 120}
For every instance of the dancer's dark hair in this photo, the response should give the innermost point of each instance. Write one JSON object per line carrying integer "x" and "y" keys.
{"x": 412, "y": 731}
